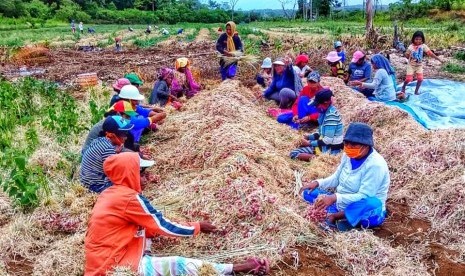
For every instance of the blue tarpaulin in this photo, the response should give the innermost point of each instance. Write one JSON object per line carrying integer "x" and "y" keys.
{"x": 440, "y": 105}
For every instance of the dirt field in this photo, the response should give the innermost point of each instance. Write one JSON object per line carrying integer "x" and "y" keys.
{"x": 402, "y": 231}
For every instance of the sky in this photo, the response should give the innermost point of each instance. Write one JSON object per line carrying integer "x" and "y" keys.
{"x": 275, "y": 4}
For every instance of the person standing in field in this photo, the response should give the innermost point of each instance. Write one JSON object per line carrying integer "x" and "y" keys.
{"x": 415, "y": 53}
{"x": 73, "y": 26}
{"x": 81, "y": 28}
{"x": 118, "y": 46}
{"x": 228, "y": 44}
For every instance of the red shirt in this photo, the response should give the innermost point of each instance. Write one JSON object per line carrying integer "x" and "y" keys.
{"x": 307, "y": 91}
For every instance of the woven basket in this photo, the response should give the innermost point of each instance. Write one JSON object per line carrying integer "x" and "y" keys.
{"x": 87, "y": 80}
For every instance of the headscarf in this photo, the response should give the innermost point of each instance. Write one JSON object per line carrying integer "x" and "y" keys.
{"x": 382, "y": 63}
{"x": 230, "y": 46}
{"x": 181, "y": 62}
{"x": 314, "y": 76}
{"x": 164, "y": 73}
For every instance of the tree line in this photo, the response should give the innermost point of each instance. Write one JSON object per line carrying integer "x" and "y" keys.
{"x": 210, "y": 11}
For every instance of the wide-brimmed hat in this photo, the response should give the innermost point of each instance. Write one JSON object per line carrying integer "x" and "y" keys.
{"x": 267, "y": 63}
{"x": 119, "y": 83}
{"x": 359, "y": 133}
{"x": 130, "y": 92}
{"x": 333, "y": 56}
{"x": 279, "y": 61}
{"x": 357, "y": 56}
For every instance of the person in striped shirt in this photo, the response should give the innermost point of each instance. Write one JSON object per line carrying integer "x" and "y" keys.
{"x": 123, "y": 222}
{"x": 329, "y": 137}
{"x": 112, "y": 137}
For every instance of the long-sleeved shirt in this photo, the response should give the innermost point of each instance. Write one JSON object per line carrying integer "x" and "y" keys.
{"x": 284, "y": 80}
{"x": 221, "y": 43}
{"x": 383, "y": 86}
{"x": 370, "y": 179}
{"x": 160, "y": 93}
{"x": 330, "y": 128}
{"x": 93, "y": 134}
{"x": 122, "y": 218}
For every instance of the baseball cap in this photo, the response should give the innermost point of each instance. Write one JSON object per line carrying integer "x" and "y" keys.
{"x": 337, "y": 44}
{"x": 124, "y": 107}
{"x": 322, "y": 97}
{"x": 117, "y": 125}
{"x": 357, "y": 56}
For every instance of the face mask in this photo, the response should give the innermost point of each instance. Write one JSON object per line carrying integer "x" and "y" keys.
{"x": 115, "y": 139}
{"x": 354, "y": 152}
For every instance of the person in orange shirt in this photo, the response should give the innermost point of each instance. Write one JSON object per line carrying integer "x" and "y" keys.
{"x": 123, "y": 220}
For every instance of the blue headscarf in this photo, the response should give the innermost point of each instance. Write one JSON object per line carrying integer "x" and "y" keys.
{"x": 382, "y": 63}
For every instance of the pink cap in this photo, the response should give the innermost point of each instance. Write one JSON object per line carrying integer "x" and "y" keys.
{"x": 333, "y": 57}
{"x": 357, "y": 56}
{"x": 120, "y": 83}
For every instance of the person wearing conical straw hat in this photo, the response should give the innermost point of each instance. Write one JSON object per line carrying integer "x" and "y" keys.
{"x": 183, "y": 82}
{"x": 228, "y": 44}
{"x": 361, "y": 182}
{"x": 123, "y": 222}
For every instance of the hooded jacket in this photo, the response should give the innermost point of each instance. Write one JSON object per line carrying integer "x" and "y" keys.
{"x": 122, "y": 218}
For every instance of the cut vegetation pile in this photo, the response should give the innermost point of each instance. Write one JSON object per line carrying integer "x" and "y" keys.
{"x": 222, "y": 159}
{"x": 32, "y": 55}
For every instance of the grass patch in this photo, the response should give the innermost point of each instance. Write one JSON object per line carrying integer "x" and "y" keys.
{"x": 454, "y": 68}
{"x": 460, "y": 55}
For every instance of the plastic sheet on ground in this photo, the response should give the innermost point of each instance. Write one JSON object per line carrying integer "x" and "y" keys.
{"x": 440, "y": 105}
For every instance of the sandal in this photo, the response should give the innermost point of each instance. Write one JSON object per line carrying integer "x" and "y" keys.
{"x": 262, "y": 266}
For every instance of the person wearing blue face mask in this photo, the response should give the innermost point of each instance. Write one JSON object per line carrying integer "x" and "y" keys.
{"x": 329, "y": 137}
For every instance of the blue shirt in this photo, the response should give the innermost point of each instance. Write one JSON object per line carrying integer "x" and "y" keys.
{"x": 358, "y": 72}
{"x": 285, "y": 80}
{"x": 342, "y": 54}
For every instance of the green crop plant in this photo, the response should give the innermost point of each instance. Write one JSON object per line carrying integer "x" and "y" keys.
{"x": 25, "y": 184}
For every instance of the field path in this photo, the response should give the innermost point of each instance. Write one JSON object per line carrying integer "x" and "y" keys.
{"x": 204, "y": 35}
